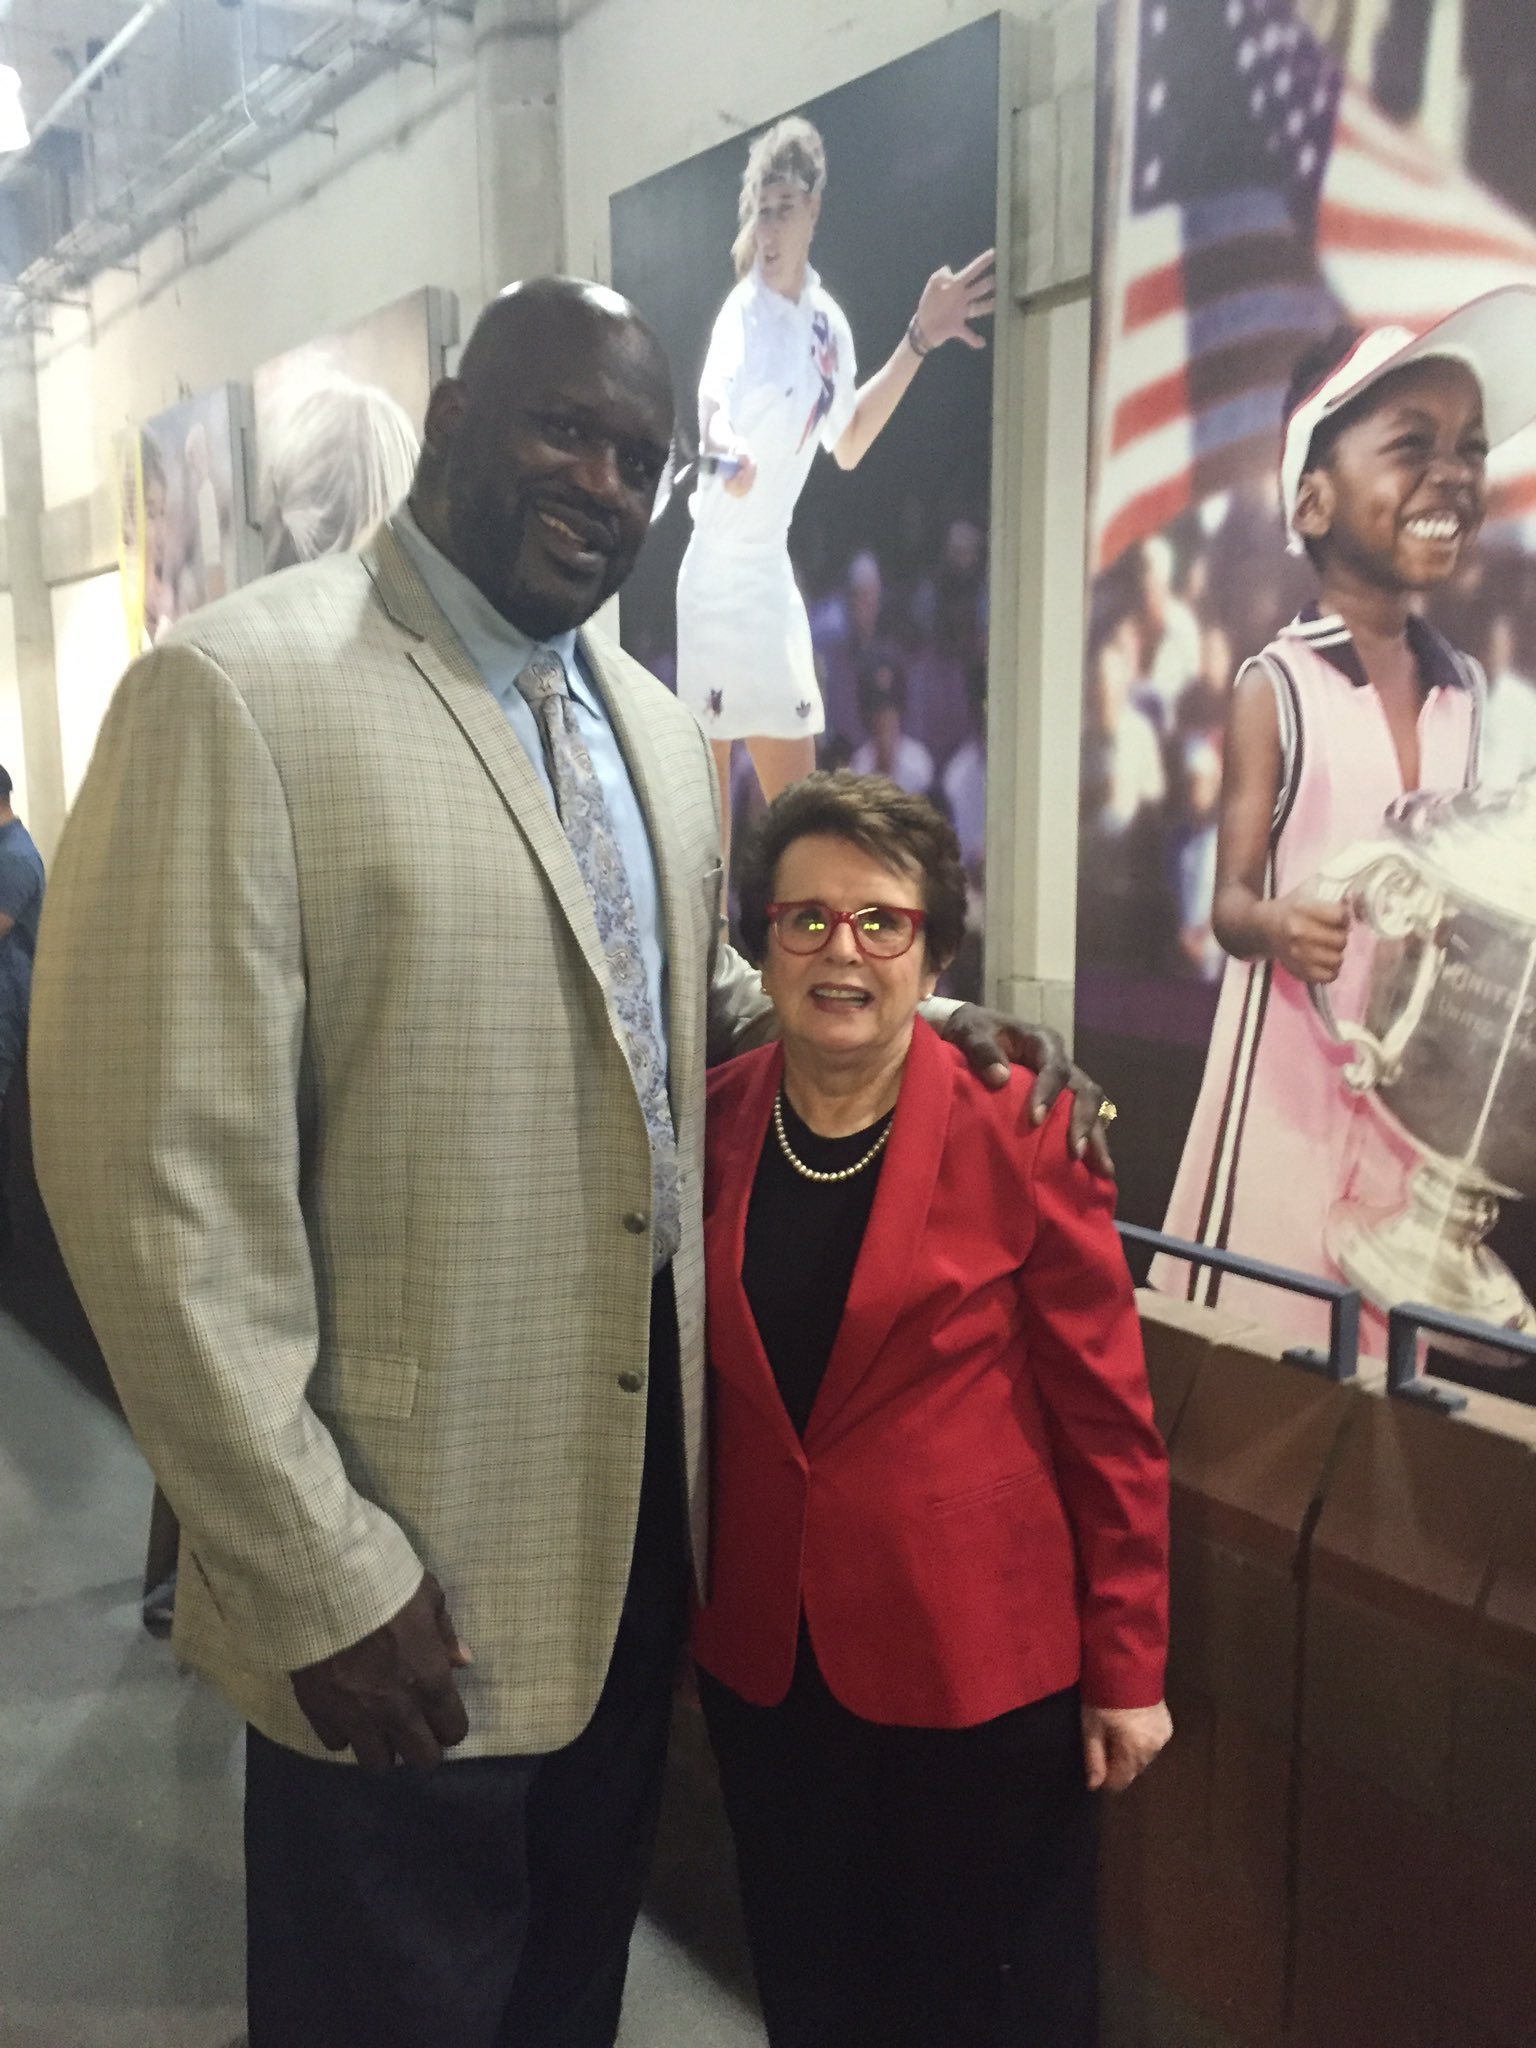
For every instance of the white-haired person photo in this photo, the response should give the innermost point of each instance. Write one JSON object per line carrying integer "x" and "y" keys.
{"x": 779, "y": 382}
{"x": 340, "y": 462}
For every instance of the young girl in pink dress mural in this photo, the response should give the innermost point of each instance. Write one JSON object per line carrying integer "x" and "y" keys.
{"x": 1357, "y": 701}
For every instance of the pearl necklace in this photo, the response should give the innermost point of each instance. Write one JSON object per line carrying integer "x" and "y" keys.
{"x": 809, "y": 1172}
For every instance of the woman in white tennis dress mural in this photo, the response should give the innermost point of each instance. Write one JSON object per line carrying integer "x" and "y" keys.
{"x": 780, "y": 382}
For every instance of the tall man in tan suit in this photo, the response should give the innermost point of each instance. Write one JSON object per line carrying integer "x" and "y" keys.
{"x": 375, "y": 992}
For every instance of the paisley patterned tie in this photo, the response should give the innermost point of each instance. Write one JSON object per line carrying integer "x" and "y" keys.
{"x": 589, "y": 828}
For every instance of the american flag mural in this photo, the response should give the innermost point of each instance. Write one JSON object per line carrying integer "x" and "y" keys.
{"x": 1259, "y": 197}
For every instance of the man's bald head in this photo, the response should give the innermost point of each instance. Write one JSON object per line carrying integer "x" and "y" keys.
{"x": 543, "y": 307}
{"x": 543, "y": 453}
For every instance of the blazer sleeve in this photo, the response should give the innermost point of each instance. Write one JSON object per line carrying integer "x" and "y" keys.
{"x": 1111, "y": 1464}
{"x": 740, "y": 1015}
{"x": 168, "y": 1020}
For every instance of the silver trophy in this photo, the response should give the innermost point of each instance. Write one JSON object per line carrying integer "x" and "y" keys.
{"x": 1447, "y": 1048}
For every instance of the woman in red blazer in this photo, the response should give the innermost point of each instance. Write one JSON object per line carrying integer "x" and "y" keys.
{"x": 938, "y": 1605}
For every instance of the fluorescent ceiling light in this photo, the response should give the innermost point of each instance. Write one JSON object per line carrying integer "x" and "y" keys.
{"x": 13, "y": 122}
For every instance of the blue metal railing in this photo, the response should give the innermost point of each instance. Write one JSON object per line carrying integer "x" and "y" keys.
{"x": 1343, "y": 1355}
{"x": 1403, "y": 1376}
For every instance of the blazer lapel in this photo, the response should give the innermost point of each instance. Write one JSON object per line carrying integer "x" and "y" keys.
{"x": 736, "y": 1348}
{"x": 908, "y": 1175}
{"x": 440, "y": 658}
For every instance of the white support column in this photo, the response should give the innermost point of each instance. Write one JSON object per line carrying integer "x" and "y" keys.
{"x": 517, "y": 116}
{"x": 1035, "y": 729}
{"x": 1039, "y": 520}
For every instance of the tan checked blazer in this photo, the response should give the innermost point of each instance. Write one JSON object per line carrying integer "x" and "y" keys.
{"x": 335, "y": 1125}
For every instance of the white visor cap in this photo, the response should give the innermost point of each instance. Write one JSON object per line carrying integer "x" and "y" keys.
{"x": 1495, "y": 336}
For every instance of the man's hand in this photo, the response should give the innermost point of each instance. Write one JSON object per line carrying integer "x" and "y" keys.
{"x": 1119, "y": 1743}
{"x": 992, "y": 1043}
{"x": 392, "y": 1695}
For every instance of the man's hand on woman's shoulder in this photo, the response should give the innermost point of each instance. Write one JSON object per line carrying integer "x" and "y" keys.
{"x": 993, "y": 1043}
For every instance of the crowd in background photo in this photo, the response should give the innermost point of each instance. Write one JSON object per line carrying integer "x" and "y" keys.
{"x": 900, "y": 638}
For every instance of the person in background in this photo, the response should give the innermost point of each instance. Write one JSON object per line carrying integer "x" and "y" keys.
{"x": 962, "y": 794}
{"x": 888, "y": 750}
{"x": 937, "y": 1616}
{"x": 1170, "y": 632}
{"x": 1192, "y": 858}
{"x": 908, "y": 555}
{"x": 957, "y": 585}
{"x": 1196, "y": 588}
{"x": 22, "y": 883}
{"x": 779, "y": 382}
{"x": 1123, "y": 778}
{"x": 856, "y": 631}
{"x": 1126, "y": 912}
{"x": 1509, "y": 724}
{"x": 955, "y": 638}
{"x": 1201, "y": 710}
{"x": 963, "y": 785}
{"x": 1357, "y": 701}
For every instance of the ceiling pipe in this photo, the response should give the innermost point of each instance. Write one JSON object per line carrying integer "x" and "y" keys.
{"x": 222, "y": 145}
{"x": 82, "y": 81}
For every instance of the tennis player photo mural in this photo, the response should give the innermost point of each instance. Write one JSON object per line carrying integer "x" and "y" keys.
{"x": 1352, "y": 706}
{"x": 816, "y": 585}
{"x": 184, "y": 538}
{"x": 1307, "y": 850}
{"x": 780, "y": 381}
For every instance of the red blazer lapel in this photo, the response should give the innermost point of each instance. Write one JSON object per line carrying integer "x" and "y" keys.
{"x": 736, "y": 1348}
{"x": 908, "y": 1174}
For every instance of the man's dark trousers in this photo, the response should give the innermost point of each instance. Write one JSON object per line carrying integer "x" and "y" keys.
{"x": 488, "y": 1903}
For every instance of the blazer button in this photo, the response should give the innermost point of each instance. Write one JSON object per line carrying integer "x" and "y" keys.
{"x": 637, "y": 1224}
{"x": 631, "y": 1382}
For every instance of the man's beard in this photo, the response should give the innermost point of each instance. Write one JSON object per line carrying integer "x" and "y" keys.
{"x": 490, "y": 538}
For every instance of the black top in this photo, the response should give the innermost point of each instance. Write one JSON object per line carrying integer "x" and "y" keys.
{"x": 802, "y": 1243}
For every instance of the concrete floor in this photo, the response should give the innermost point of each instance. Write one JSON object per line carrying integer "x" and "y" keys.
{"x": 120, "y": 1884}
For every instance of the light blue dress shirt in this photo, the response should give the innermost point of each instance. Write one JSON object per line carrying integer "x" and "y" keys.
{"x": 500, "y": 652}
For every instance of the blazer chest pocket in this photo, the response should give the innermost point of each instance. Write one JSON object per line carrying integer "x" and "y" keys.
{"x": 365, "y": 1383}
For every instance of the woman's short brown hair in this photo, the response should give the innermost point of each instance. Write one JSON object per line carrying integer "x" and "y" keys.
{"x": 880, "y": 819}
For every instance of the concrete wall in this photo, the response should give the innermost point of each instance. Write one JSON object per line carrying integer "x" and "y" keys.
{"x": 90, "y": 641}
